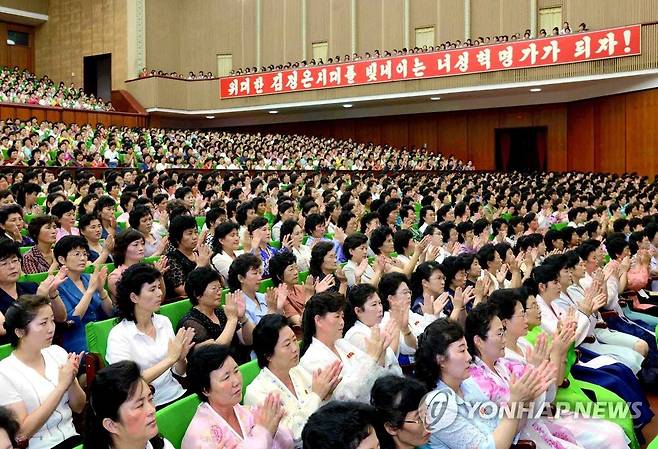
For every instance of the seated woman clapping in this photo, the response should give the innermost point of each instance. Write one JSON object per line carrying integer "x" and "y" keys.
{"x": 442, "y": 363}
{"x": 38, "y": 380}
{"x": 364, "y": 310}
{"x": 220, "y": 420}
{"x": 83, "y": 295}
{"x": 323, "y": 345}
{"x": 146, "y": 337}
{"x": 211, "y": 322}
{"x": 121, "y": 411}
{"x": 278, "y": 357}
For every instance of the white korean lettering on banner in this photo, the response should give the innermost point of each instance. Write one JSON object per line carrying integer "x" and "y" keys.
{"x": 334, "y": 76}
{"x": 462, "y": 62}
{"x": 608, "y": 43}
{"x": 245, "y": 86}
{"x": 350, "y": 74}
{"x": 530, "y": 52}
{"x": 259, "y": 84}
{"x": 233, "y": 87}
{"x": 322, "y": 77}
{"x": 401, "y": 68}
{"x": 506, "y": 56}
{"x": 385, "y": 69}
{"x": 418, "y": 68}
{"x": 583, "y": 47}
{"x": 371, "y": 72}
{"x": 484, "y": 58}
{"x": 551, "y": 50}
{"x": 444, "y": 64}
{"x": 307, "y": 79}
{"x": 277, "y": 82}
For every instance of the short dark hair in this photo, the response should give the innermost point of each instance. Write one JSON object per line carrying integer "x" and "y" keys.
{"x": 318, "y": 253}
{"x": 278, "y": 264}
{"x": 178, "y": 226}
{"x": 221, "y": 231}
{"x": 339, "y": 424}
{"x": 132, "y": 280}
{"x": 352, "y": 242}
{"x": 266, "y": 336}
{"x": 240, "y": 267}
{"x": 6, "y": 211}
{"x": 59, "y": 209}
{"x": 85, "y": 220}
{"x": 312, "y": 222}
{"x": 21, "y": 313}
{"x": 103, "y": 202}
{"x": 257, "y": 222}
{"x": 319, "y": 304}
{"x": 67, "y": 244}
{"x": 401, "y": 240}
{"x": 203, "y": 361}
{"x": 9, "y": 248}
{"x": 123, "y": 239}
{"x": 197, "y": 282}
{"x": 38, "y": 222}
{"x": 135, "y": 215}
{"x": 378, "y": 237}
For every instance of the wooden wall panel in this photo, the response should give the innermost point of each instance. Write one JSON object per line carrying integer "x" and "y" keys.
{"x": 53, "y": 115}
{"x": 68, "y": 117}
{"x": 580, "y": 132}
{"x": 452, "y": 134}
{"x": 368, "y": 131}
{"x": 422, "y": 131}
{"x": 481, "y": 138}
{"x": 554, "y": 117}
{"x": 395, "y": 132}
{"x": 610, "y": 134}
{"x": 39, "y": 114}
{"x": 81, "y": 117}
{"x": 641, "y": 132}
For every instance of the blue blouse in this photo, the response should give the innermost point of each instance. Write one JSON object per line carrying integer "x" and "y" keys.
{"x": 74, "y": 339}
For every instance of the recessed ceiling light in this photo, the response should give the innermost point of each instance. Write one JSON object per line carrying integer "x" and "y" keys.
{"x": 210, "y": 116}
{"x": 435, "y": 98}
{"x": 347, "y": 105}
{"x": 535, "y": 89}
{"x": 273, "y": 112}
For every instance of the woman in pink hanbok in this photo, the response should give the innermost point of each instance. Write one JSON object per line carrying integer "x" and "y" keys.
{"x": 220, "y": 420}
{"x": 492, "y": 373}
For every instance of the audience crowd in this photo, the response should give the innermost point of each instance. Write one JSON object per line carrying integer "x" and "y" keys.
{"x": 447, "y": 45}
{"x": 361, "y": 303}
{"x": 22, "y": 86}
{"x": 31, "y": 143}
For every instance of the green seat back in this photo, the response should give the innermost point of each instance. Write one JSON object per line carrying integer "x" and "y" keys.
{"x": 275, "y": 244}
{"x": 249, "y": 372}
{"x": 200, "y": 221}
{"x": 653, "y": 444}
{"x": 506, "y": 216}
{"x": 97, "y": 334}
{"x": 5, "y": 350}
{"x": 122, "y": 225}
{"x": 174, "y": 419}
{"x": 305, "y": 239}
{"x": 25, "y": 249}
{"x": 37, "y": 278}
{"x": 265, "y": 284}
{"x": 302, "y": 276}
{"x": 28, "y": 218}
{"x": 152, "y": 259}
{"x": 269, "y": 217}
{"x": 559, "y": 226}
{"x": 175, "y": 311}
{"x": 41, "y": 200}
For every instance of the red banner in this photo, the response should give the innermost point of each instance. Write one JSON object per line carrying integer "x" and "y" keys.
{"x": 565, "y": 49}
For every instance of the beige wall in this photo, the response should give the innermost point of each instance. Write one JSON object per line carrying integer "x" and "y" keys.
{"x": 78, "y": 28}
{"x": 206, "y": 29}
{"x": 36, "y": 6}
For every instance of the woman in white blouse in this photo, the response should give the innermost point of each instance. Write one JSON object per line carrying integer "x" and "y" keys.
{"x": 278, "y": 357}
{"x": 38, "y": 380}
{"x": 225, "y": 245}
{"x": 323, "y": 345}
{"x": 148, "y": 338}
{"x": 301, "y": 252}
{"x": 364, "y": 311}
